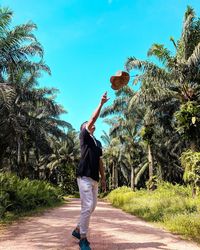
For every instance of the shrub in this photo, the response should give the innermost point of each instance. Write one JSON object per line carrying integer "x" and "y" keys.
{"x": 190, "y": 161}
{"x": 166, "y": 205}
{"x": 24, "y": 195}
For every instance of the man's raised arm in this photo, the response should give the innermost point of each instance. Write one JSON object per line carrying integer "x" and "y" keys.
{"x": 96, "y": 113}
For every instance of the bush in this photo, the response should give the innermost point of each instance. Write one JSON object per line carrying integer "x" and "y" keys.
{"x": 166, "y": 205}
{"x": 190, "y": 161}
{"x": 24, "y": 195}
{"x": 118, "y": 196}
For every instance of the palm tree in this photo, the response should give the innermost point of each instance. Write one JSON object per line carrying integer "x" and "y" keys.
{"x": 125, "y": 126}
{"x": 60, "y": 166}
{"x": 7, "y": 98}
{"x": 111, "y": 156}
{"x": 29, "y": 115}
{"x": 33, "y": 117}
{"x": 17, "y": 45}
{"x": 179, "y": 77}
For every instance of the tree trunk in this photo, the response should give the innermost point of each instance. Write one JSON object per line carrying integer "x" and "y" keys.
{"x": 150, "y": 161}
{"x": 37, "y": 171}
{"x": 193, "y": 146}
{"x": 132, "y": 178}
{"x": 110, "y": 177}
{"x": 114, "y": 176}
{"x": 18, "y": 151}
{"x": 194, "y": 191}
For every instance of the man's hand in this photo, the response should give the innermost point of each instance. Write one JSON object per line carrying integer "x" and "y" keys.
{"x": 104, "y": 98}
{"x": 103, "y": 184}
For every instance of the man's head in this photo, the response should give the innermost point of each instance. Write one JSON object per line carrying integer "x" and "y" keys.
{"x": 83, "y": 125}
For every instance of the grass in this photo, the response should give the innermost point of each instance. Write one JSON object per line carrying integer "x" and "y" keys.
{"x": 75, "y": 195}
{"x": 170, "y": 206}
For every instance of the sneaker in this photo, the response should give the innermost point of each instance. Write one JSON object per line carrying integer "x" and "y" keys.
{"x": 84, "y": 244}
{"x": 76, "y": 234}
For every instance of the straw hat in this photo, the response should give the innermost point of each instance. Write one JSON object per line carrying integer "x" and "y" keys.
{"x": 119, "y": 80}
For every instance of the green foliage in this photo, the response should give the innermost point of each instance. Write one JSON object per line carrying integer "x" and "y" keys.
{"x": 18, "y": 195}
{"x": 162, "y": 205}
{"x": 152, "y": 183}
{"x": 68, "y": 183}
{"x": 120, "y": 195}
{"x": 188, "y": 119}
{"x": 30, "y": 123}
{"x": 163, "y": 88}
{"x": 190, "y": 161}
{"x": 147, "y": 133}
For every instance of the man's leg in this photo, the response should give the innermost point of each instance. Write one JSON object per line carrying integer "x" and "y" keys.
{"x": 86, "y": 195}
{"x": 76, "y": 231}
{"x": 95, "y": 194}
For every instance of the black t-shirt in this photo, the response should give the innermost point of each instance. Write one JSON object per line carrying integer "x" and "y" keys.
{"x": 91, "y": 151}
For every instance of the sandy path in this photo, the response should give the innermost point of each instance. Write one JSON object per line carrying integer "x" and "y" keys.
{"x": 111, "y": 229}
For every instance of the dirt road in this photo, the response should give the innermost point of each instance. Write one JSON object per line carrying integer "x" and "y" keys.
{"x": 111, "y": 229}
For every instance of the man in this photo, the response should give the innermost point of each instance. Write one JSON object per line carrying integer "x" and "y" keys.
{"x": 88, "y": 175}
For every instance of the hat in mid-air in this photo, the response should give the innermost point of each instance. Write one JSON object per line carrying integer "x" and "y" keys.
{"x": 119, "y": 80}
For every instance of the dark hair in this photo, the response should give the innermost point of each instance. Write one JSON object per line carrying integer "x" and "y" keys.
{"x": 83, "y": 125}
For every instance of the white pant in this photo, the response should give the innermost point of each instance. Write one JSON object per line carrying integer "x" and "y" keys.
{"x": 88, "y": 189}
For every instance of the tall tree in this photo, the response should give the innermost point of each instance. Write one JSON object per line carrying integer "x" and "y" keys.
{"x": 124, "y": 131}
{"x": 178, "y": 79}
{"x": 29, "y": 114}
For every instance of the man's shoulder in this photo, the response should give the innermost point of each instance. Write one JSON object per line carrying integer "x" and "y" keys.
{"x": 84, "y": 132}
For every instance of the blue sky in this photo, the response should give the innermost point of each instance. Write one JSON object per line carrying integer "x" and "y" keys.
{"x": 87, "y": 41}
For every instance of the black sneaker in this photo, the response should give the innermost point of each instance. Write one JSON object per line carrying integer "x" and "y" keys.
{"x": 84, "y": 244}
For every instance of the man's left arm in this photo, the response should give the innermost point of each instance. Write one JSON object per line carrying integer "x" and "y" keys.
{"x": 102, "y": 173}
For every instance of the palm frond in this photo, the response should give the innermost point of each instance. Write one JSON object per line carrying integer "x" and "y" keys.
{"x": 189, "y": 11}
{"x": 134, "y": 100}
{"x": 194, "y": 59}
{"x": 106, "y": 138}
{"x": 140, "y": 172}
{"x": 7, "y": 96}
{"x": 22, "y": 33}
{"x": 26, "y": 65}
{"x": 160, "y": 52}
{"x": 125, "y": 91}
{"x": 186, "y": 34}
{"x": 5, "y": 19}
{"x": 148, "y": 69}
{"x": 32, "y": 49}
{"x": 173, "y": 41}
{"x": 116, "y": 108}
